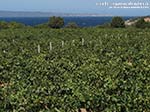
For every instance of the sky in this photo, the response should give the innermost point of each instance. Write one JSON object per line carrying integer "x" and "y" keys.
{"x": 72, "y": 6}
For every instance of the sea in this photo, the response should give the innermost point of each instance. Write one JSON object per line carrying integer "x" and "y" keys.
{"x": 81, "y": 21}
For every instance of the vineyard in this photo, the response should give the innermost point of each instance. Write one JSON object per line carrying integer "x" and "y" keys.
{"x": 64, "y": 70}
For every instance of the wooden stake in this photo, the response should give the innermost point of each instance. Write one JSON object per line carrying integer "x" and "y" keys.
{"x": 73, "y": 42}
{"x": 50, "y": 46}
{"x": 62, "y": 43}
{"x": 82, "y": 41}
{"x": 39, "y": 50}
{"x": 83, "y": 110}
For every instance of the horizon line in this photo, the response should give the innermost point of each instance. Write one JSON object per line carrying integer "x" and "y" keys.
{"x": 75, "y": 13}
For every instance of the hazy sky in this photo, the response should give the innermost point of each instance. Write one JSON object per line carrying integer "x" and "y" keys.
{"x": 70, "y": 6}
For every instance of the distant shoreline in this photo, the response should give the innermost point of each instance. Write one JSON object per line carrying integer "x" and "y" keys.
{"x": 50, "y": 14}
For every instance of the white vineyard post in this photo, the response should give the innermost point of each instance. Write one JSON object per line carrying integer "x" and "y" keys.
{"x": 73, "y": 42}
{"x": 4, "y": 51}
{"x": 90, "y": 42}
{"x": 13, "y": 41}
{"x": 39, "y": 50}
{"x": 62, "y": 43}
{"x": 50, "y": 46}
{"x": 82, "y": 41}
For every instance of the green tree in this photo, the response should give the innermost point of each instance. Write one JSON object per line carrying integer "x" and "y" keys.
{"x": 56, "y": 22}
{"x": 3, "y": 25}
{"x": 141, "y": 23}
{"x": 117, "y": 22}
{"x": 72, "y": 25}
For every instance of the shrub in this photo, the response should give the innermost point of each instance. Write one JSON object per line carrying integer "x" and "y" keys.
{"x": 142, "y": 24}
{"x": 3, "y": 25}
{"x": 44, "y": 25}
{"x": 72, "y": 25}
{"x": 6, "y": 25}
{"x": 56, "y": 22}
{"x": 105, "y": 25}
{"x": 15, "y": 25}
{"x": 117, "y": 22}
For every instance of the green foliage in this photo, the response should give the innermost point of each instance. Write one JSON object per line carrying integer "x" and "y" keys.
{"x": 44, "y": 25}
{"x": 3, "y": 25}
{"x": 109, "y": 73}
{"x": 105, "y": 25}
{"x": 13, "y": 25}
{"x": 117, "y": 22}
{"x": 72, "y": 25}
{"x": 142, "y": 24}
{"x": 56, "y": 22}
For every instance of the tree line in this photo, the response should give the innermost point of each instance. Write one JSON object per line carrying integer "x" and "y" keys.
{"x": 58, "y": 22}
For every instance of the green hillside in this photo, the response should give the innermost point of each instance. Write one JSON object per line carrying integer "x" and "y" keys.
{"x": 133, "y": 21}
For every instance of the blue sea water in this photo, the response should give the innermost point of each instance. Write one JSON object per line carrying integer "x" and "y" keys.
{"x": 81, "y": 21}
